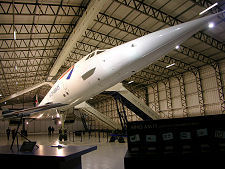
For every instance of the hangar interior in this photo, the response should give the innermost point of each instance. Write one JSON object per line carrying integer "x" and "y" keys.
{"x": 41, "y": 39}
{"x": 193, "y": 86}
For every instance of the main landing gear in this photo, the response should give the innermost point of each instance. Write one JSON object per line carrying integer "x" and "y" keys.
{"x": 63, "y": 136}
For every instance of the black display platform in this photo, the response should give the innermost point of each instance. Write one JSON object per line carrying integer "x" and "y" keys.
{"x": 169, "y": 142}
{"x": 146, "y": 161}
{"x": 68, "y": 157}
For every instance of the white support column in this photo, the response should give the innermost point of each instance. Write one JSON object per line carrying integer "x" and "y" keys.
{"x": 101, "y": 117}
{"x": 140, "y": 104}
{"x": 89, "y": 15}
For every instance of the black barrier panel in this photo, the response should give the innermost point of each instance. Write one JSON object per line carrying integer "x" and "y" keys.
{"x": 183, "y": 136}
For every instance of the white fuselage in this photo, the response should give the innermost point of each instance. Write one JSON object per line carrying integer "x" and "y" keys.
{"x": 91, "y": 76}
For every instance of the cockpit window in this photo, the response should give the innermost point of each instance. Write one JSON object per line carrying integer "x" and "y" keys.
{"x": 96, "y": 52}
{"x": 90, "y": 55}
{"x": 99, "y": 51}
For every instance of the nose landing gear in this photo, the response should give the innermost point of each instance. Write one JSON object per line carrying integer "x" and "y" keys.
{"x": 63, "y": 136}
{"x": 62, "y": 130}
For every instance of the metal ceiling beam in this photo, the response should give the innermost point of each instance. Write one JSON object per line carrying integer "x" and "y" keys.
{"x": 103, "y": 38}
{"x": 24, "y": 58}
{"x": 93, "y": 9}
{"x": 19, "y": 49}
{"x": 26, "y": 91}
{"x": 48, "y": 39}
{"x": 39, "y": 28}
{"x": 43, "y": 3}
{"x": 22, "y": 8}
{"x": 21, "y": 72}
{"x": 121, "y": 25}
{"x": 169, "y": 20}
{"x": 84, "y": 47}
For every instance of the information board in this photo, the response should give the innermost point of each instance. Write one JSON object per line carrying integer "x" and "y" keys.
{"x": 181, "y": 136}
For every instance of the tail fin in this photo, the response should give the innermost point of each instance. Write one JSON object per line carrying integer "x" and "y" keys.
{"x": 36, "y": 103}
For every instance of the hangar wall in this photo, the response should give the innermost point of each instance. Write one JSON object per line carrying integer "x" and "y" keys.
{"x": 168, "y": 100}
{"x": 41, "y": 126}
{"x": 171, "y": 100}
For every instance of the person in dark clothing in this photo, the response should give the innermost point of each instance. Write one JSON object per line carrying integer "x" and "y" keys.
{"x": 8, "y": 132}
{"x": 52, "y": 129}
{"x": 49, "y": 130}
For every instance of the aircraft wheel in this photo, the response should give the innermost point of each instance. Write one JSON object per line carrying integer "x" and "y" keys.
{"x": 112, "y": 139}
{"x": 65, "y": 137}
{"x": 121, "y": 140}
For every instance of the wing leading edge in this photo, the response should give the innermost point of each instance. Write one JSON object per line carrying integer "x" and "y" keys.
{"x": 30, "y": 111}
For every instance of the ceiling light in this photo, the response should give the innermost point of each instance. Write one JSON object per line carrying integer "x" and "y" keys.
{"x": 211, "y": 25}
{"x": 57, "y": 115}
{"x": 5, "y": 102}
{"x": 60, "y": 122}
{"x": 177, "y": 47}
{"x": 130, "y": 82}
{"x": 208, "y": 8}
{"x": 170, "y": 65}
{"x": 27, "y": 122}
{"x": 0, "y": 95}
{"x": 16, "y": 67}
{"x": 14, "y": 35}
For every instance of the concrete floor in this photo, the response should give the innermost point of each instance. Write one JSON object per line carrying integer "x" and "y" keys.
{"x": 107, "y": 155}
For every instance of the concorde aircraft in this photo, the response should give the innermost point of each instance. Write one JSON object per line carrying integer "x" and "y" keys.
{"x": 102, "y": 69}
